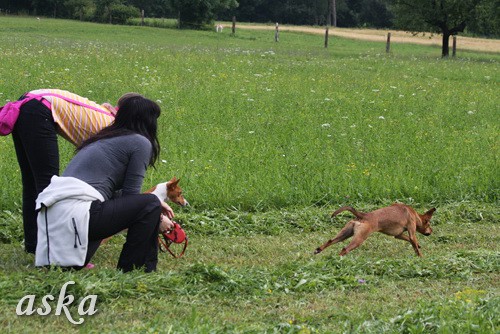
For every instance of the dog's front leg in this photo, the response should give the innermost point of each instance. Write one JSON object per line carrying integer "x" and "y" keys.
{"x": 413, "y": 240}
{"x": 404, "y": 237}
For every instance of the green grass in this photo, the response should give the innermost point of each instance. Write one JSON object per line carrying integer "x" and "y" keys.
{"x": 269, "y": 138}
{"x": 255, "y": 124}
{"x": 240, "y": 280}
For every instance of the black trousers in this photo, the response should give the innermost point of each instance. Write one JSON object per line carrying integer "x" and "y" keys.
{"x": 35, "y": 142}
{"x": 140, "y": 214}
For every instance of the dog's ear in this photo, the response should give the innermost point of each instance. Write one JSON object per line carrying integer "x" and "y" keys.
{"x": 173, "y": 182}
{"x": 430, "y": 212}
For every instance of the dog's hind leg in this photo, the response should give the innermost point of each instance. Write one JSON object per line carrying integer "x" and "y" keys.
{"x": 361, "y": 233}
{"x": 346, "y": 232}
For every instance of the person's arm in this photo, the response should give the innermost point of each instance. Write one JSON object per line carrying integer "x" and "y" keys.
{"x": 110, "y": 108}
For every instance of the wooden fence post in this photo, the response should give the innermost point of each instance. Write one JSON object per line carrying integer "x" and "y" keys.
{"x": 388, "y": 44}
{"x": 277, "y": 33}
{"x": 454, "y": 50}
{"x": 142, "y": 17}
{"x": 234, "y": 25}
{"x": 326, "y": 37}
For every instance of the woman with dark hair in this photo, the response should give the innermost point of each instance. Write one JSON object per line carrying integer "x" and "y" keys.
{"x": 84, "y": 203}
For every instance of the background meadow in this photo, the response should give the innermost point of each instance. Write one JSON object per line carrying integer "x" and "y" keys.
{"x": 268, "y": 139}
{"x": 255, "y": 124}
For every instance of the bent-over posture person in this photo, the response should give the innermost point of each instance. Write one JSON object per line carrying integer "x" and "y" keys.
{"x": 115, "y": 159}
{"x": 44, "y": 114}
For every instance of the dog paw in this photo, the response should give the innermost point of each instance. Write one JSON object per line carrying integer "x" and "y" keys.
{"x": 317, "y": 251}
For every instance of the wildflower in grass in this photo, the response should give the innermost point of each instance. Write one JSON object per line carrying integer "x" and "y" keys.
{"x": 325, "y": 125}
{"x": 251, "y": 132}
{"x": 351, "y": 167}
{"x": 327, "y": 99}
{"x": 469, "y": 295}
{"x": 471, "y": 112}
{"x": 381, "y": 117}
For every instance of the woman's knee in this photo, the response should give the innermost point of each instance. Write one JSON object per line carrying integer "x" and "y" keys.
{"x": 152, "y": 203}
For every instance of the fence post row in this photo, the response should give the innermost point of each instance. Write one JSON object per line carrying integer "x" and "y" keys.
{"x": 233, "y": 29}
{"x": 388, "y": 44}
{"x": 326, "y": 37}
{"x": 454, "y": 50}
{"x": 277, "y": 33}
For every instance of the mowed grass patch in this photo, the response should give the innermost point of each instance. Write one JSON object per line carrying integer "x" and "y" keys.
{"x": 253, "y": 124}
{"x": 267, "y": 283}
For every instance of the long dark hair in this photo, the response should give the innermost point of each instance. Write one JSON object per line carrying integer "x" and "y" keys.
{"x": 136, "y": 114}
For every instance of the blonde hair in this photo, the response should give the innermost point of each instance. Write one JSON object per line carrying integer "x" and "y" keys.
{"x": 127, "y": 96}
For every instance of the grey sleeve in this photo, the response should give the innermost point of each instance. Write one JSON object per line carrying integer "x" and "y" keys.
{"x": 138, "y": 163}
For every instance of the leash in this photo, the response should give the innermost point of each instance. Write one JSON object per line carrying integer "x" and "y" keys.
{"x": 176, "y": 235}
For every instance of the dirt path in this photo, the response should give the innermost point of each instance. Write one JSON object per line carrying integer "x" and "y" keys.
{"x": 468, "y": 43}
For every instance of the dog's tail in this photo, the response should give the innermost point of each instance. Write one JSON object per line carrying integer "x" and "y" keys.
{"x": 359, "y": 215}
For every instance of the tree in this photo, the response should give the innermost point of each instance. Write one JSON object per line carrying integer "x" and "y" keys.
{"x": 448, "y": 17}
{"x": 487, "y": 20}
{"x": 198, "y": 13}
{"x": 78, "y": 8}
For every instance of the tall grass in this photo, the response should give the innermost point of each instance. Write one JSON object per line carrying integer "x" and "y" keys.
{"x": 255, "y": 124}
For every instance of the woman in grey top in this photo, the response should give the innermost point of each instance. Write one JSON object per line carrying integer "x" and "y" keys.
{"x": 116, "y": 159}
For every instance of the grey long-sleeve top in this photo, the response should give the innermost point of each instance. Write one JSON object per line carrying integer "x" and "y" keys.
{"x": 113, "y": 164}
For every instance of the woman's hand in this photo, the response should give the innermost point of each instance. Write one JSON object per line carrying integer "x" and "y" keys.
{"x": 167, "y": 210}
{"x": 110, "y": 108}
{"x": 165, "y": 224}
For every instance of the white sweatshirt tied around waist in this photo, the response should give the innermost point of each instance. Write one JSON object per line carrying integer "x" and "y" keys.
{"x": 63, "y": 221}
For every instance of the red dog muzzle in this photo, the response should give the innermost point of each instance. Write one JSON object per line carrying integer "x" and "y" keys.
{"x": 174, "y": 236}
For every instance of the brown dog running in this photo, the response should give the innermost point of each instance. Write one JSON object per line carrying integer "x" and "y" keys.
{"x": 392, "y": 220}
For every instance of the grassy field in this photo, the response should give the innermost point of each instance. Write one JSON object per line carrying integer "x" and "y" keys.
{"x": 268, "y": 139}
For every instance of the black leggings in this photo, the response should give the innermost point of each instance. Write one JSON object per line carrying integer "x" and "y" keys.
{"x": 140, "y": 214}
{"x": 35, "y": 141}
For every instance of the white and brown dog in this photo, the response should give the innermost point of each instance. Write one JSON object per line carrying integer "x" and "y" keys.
{"x": 166, "y": 191}
{"x": 169, "y": 191}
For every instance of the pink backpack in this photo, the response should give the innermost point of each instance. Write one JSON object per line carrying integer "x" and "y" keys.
{"x": 10, "y": 112}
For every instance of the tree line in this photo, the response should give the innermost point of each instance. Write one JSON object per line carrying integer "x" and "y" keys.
{"x": 476, "y": 17}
